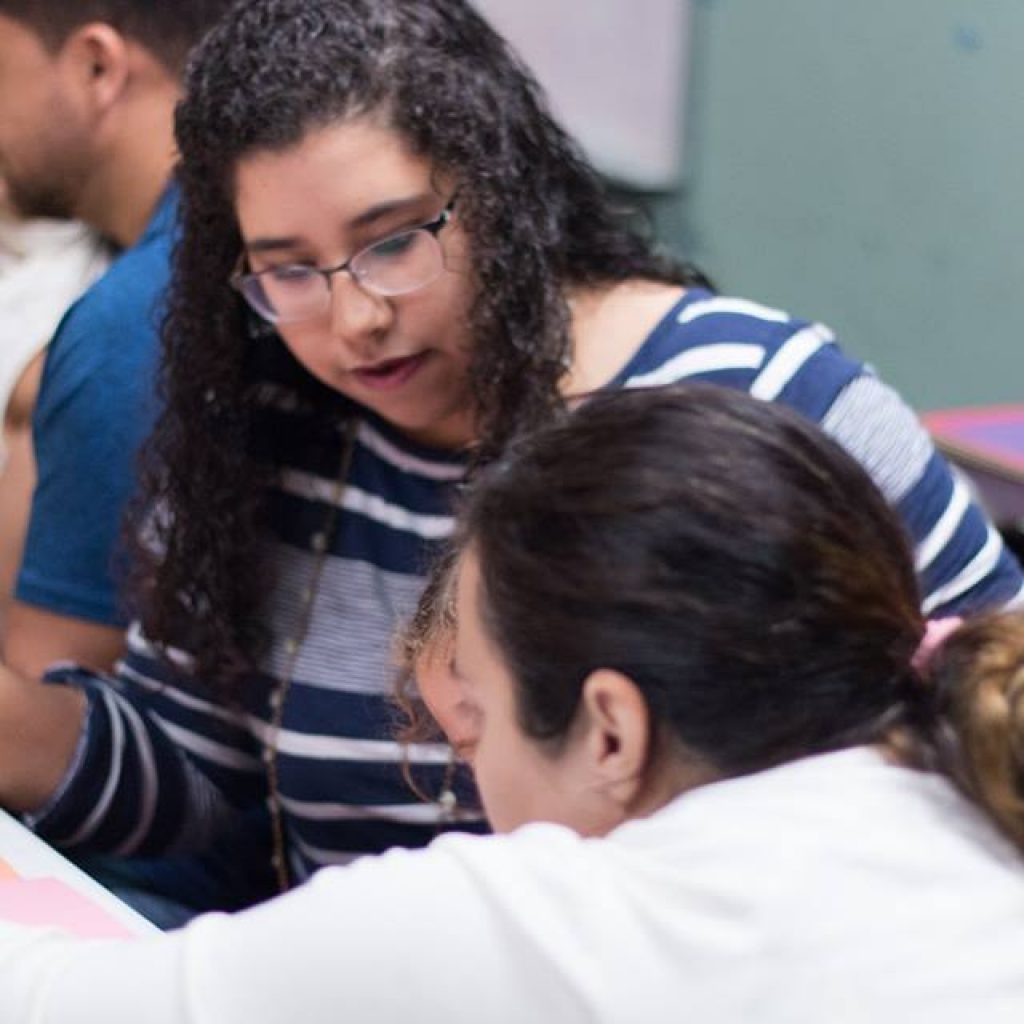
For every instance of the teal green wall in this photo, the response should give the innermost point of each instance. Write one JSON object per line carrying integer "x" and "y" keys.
{"x": 860, "y": 162}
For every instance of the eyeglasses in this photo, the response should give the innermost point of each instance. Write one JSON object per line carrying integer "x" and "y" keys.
{"x": 395, "y": 265}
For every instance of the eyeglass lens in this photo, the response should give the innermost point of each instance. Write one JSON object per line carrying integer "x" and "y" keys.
{"x": 392, "y": 266}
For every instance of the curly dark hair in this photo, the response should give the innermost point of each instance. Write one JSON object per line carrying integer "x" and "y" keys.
{"x": 537, "y": 216}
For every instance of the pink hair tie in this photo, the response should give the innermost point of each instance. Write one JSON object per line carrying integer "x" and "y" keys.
{"x": 936, "y": 633}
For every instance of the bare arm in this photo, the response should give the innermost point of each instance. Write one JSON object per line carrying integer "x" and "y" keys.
{"x": 32, "y": 638}
{"x": 16, "y": 483}
{"x": 35, "y": 638}
{"x": 39, "y": 729}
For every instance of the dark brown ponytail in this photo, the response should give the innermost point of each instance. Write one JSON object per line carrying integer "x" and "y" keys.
{"x": 978, "y": 676}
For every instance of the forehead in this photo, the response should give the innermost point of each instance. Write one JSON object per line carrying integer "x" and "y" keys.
{"x": 340, "y": 169}
{"x": 474, "y": 648}
{"x": 467, "y": 582}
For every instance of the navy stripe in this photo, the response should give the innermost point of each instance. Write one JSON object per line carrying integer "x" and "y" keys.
{"x": 356, "y": 715}
{"x": 413, "y": 493}
{"x": 356, "y": 782}
{"x": 296, "y": 522}
{"x": 923, "y": 505}
{"x": 819, "y": 382}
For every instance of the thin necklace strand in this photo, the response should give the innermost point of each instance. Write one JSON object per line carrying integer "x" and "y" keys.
{"x": 293, "y": 646}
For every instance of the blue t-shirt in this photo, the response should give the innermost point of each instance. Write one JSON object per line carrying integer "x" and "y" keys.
{"x": 96, "y": 404}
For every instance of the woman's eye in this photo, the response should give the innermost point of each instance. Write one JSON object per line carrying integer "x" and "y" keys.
{"x": 393, "y": 247}
{"x": 291, "y": 273}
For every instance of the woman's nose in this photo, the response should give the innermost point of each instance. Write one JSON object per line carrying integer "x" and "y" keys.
{"x": 358, "y": 317}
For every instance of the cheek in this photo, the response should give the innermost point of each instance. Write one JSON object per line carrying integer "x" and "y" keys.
{"x": 307, "y": 343}
{"x": 515, "y": 785}
{"x": 501, "y": 794}
{"x": 443, "y": 695}
{"x": 446, "y": 304}
{"x": 437, "y": 312}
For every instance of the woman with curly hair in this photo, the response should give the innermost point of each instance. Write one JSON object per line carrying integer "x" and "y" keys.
{"x": 824, "y": 822}
{"x": 393, "y": 261}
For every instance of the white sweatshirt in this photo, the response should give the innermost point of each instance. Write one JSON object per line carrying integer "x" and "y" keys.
{"x": 833, "y": 890}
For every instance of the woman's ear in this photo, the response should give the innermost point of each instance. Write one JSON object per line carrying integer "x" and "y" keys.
{"x": 617, "y": 738}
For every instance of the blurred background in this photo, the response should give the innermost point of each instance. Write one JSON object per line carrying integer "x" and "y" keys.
{"x": 854, "y": 162}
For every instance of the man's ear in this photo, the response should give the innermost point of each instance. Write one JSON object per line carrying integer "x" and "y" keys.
{"x": 97, "y": 58}
{"x": 617, "y": 740}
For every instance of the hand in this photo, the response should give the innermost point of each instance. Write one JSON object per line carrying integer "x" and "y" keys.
{"x": 40, "y": 724}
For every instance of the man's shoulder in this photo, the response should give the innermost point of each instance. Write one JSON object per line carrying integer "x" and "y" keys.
{"x": 109, "y": 340}
{"x": 124, "y": 303}
{"x": 126, "y": 296}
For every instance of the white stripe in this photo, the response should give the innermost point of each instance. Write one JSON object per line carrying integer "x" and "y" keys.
{"x": 405, "y": 814}
{"x": 342, "y": 748}
{"x": 398, "y": 518}
{"x": 148, "y": 780}
{"x": 706, "y": 359}
{"x": 384, "y": 449}
{"x": 91, "y": 823}
{"x": 218, "y": 753}
{"x": 786, "y": 363}
{"x": 949, "y": 522}
{"x": 185, "y": 700}
{"x": 354, "y": 499}
{"x": 744, "y": 307}
{"x": 975, "y": 571}
{"x": 137, "y": 641}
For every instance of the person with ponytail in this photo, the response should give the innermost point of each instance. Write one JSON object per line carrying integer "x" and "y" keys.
{"x": 734, "y": 775}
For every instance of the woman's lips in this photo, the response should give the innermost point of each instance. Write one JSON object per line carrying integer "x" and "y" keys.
{"x": 390, "y": 374}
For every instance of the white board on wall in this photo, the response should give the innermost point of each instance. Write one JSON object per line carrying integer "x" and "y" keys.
{"x": 616, "y": 74}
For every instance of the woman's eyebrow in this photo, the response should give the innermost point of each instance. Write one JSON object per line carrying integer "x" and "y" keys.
{"x": 389, "y": 207}
{"x": 270, "y": 244}
{"x": 369, "y": 216}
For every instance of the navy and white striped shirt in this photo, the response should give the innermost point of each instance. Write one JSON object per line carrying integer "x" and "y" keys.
{"x": 164, "y": 765}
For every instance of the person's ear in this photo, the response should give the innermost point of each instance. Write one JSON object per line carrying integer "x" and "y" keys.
{"x": 97, "y": 56}
{"x": 442, "y": 693}
{"x": 617, "y": 740}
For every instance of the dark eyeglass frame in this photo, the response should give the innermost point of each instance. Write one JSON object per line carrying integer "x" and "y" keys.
{"x": 239, "y": 279}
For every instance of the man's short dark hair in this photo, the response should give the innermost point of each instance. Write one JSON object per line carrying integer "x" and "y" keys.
{"x": 167, "y": 28}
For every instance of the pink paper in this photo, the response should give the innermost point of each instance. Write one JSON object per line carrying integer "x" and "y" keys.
{"x": 50, "y": 902}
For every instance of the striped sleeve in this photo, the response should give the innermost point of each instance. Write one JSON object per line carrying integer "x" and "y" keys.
{"x": 962, "y": 563}
{"x": 155, "y": 772}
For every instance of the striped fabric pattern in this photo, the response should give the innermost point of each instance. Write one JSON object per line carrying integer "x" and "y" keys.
{"x": 162, "y": 765}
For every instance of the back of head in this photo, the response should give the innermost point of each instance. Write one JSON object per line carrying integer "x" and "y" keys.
{"x": 747, "y": 575}
{"x": 167, "y": 28}
{"x": 719, "y": 551}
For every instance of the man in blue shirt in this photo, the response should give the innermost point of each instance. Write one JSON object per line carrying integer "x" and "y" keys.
{"x": 87, "y": 96}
